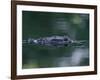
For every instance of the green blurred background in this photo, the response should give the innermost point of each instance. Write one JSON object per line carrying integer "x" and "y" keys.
{"x": 44, "y": 24}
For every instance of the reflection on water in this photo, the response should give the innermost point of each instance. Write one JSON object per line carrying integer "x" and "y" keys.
{"x": 43, "y": 24}
{"x": 57, "y": 57}
{"x": 77, "y": 58}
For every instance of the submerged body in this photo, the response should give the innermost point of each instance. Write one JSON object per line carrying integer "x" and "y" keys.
{"x": 57, "y": 41}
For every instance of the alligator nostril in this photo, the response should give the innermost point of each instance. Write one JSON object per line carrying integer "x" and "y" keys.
{"x": 35, "y": 41}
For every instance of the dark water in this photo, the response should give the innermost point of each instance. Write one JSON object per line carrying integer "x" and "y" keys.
{"x": 44, "y": 24}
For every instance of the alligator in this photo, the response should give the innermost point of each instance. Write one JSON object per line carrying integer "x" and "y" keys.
{"x": 58, "y": 41}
